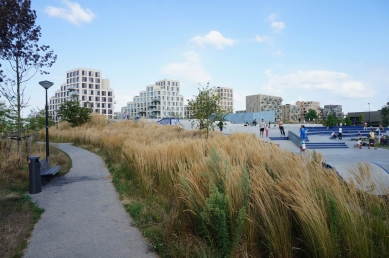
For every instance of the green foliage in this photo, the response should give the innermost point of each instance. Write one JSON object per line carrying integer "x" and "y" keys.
{"x": 312, "y": 114}
{"x": 347, "y": 121}
{"x": 206, "y": 109}
{"x": 330, "y": 121}
{"x": 215, "y": 220}
{"x": 360, "y": 119}
{"x": 385, "y": 115}
{"x": 72, "y": 112}
{"x": 8, "y": 120}
{"x": 334, "y": 225}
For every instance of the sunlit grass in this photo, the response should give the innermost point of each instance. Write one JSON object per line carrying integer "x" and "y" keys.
{"x": 180, "y": 185}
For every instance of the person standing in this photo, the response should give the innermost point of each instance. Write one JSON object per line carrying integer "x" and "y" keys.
{"x": 365, "y": 126}
{"x": 220, "y": 124}
{"x": 340, "y": 133}
{"x": 281, "y": 127}
{"x": 303, "y": 133}
{"x": 267, "y": 130}
{"x": 372, "y": 139}
{"x": 261, "y": 128}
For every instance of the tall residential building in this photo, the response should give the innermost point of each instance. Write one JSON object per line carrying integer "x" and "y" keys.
{"x": 305, "y": 106}
{"x": 261, "y": 102}
{"x": 291, "y": 113}
{"x": 160, "y": 100}
{"x": 87, "y": 86}
{"x": 332, "y": 109}
{"x": 227, "y": 97}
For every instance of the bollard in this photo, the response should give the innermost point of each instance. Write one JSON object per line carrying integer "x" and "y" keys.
{"x": 34, "y": 175}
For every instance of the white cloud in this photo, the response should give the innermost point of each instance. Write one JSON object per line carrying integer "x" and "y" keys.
{"x": 73, "y": 13}
{"x": 277, "y": 26}
{"x": 319, "y": 82}
{"x": 191, "y": 71}
{"x": 263, "y": 39}
{"x": 278, "y": 53}
{"x": 214, "y": 38}
{"x": 272, "y": 17}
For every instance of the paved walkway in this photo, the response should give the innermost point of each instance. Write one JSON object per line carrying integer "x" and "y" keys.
{"x": 83, "y": 215}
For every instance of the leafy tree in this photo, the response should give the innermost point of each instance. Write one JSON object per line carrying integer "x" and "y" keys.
{"x": 72, "y": 112}
{"x": 37, "y": 120}
{"x": 7, "y": 119}
{"x": 385, "y": 115}
{"x": 360, "y": 119}
{"x": 19, "y": 49}
{"x": 206, "y": 108}
{"x": 347, "y": 120}
{"x": 331, "y": 120}
{"x": 312, "y": 114}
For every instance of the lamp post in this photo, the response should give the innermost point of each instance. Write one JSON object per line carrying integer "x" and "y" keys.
{"x": 369, "y": 113}
{"x": 46, "y": 85}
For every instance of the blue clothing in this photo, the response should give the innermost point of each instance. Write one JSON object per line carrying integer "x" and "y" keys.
{"x": 303, "y": 133}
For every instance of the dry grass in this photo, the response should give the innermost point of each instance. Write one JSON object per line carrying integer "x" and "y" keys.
{"x": 17, "y": 214}
{"x": 293, "y": 208}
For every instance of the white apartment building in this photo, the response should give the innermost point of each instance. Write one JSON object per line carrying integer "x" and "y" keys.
{"x": 163, "y": 99}
{"x": 87, "y": 86}
{"x": 261, "y": 102}
{"x": 227, "y": 98}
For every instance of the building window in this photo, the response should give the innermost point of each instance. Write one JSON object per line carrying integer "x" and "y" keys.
{"x": 104, "y": 99}
{"x": 83, "y": 72}
{"x": 109, "y": 93}
{"x": 90, "y": 79}
{"x": 98, "y": 105}
{"x": 84, "y": 85}
{"x": 97, "y": 98}
{"x": 109, "y": 105}
{"x": 98, "y": 92}
{"x": 91, "y": 92}
{"x": 103, "y": 93}
{"x": 90, "y": 86}
{"x": 109, "y": 111}
{"x": 109, "y": 99}
{"x": 84, "y": 92}
{"x": 84, "y": 79}
{"x": 90, "y": 73}
{"x": 97, "y": 74}
{"x": 97, "y": 86}
{"x": 97, "y": 80}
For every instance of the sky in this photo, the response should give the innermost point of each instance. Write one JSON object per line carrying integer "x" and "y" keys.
{"x": 334, "y": 52}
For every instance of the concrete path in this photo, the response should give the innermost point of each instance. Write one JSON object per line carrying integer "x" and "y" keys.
{"x": 83, "y": 215}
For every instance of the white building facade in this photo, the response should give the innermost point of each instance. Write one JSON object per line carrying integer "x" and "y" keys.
{"x": 163, "y": 99}
{"x": 87, "y": 86}
{"x": 226, "y": 98}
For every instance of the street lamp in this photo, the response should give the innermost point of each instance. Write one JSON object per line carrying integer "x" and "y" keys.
{"x": 46, "y": 85}
{"x": 369, "y": 113}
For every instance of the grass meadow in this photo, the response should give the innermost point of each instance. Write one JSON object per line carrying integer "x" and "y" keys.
{"x": 18, "y": 214}
{"x": 233, "y": 196}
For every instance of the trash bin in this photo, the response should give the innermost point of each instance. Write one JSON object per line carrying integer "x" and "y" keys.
{"x": 34, "y": 175}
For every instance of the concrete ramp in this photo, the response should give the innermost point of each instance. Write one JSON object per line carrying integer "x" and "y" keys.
{"x": 370, "y": 177}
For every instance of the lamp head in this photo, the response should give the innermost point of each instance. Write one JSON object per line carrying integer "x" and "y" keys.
{"x": 46, "y": 84}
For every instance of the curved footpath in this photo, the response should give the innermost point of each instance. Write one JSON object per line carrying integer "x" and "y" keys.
{"x": 83, "y": 215}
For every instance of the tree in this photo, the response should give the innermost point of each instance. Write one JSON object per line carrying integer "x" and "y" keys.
{"x": 206, "y": 108}
{"x": 7, "y": 119}
{"x": 360, "y": 119}
{"x": 331, "y": 120}
{"x": 347, "y": 120}
{"x": 72, "y": 112}
{"x": 312, "y": 114}
{"x": 385, "y": 115}
{"x": 19, "y": 49}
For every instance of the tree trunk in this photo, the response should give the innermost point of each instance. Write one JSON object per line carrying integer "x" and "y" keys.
{"x": 18, "y": 96}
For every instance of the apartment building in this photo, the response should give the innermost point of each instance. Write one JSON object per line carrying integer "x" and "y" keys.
{"x": 163, "y": 99}
{"x": 332, "y": 109}
{"x": 305, "y": 106}
{"x": 291, "y": 113}
{"x": 87, "y": 86}
{"x": 227, "y": 98}
{"x": 261, "y": 102}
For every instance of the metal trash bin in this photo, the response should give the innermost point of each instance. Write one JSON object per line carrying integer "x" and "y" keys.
{"x": 34, "y": 167}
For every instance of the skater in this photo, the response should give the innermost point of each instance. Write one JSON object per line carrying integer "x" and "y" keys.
{"x": 281, "y": 127}
{"x": 340, "y": 133}
{"x": 359, "y": 144}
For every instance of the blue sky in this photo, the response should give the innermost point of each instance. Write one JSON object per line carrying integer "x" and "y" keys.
{"x": 334, "y": 52}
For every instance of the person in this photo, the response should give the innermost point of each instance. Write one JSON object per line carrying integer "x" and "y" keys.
{"x": 255, "y": 122}
{"x": 340, "y": 133}
{"x": 359, "y": 144}
{"x": 333, "y": 135}
{"x": 303, "y": 133}
{"x": 359, "y": 133}
{"x": 246, "y": 124}
{"x": 109, "y": 123}
{"x": 220, "y": 124}
{"x": 365, "y": 126}
{"x": 261, "y": 128}
{"x": 267, "y": 130}
{"x": 302, "y": 147}
{"x": 372, "y": 139}
{"x": 281, "y": 126}
{"x": 269, "y": 123}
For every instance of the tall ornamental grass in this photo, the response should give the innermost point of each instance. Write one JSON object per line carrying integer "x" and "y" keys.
{"x": 236, "y": 196}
